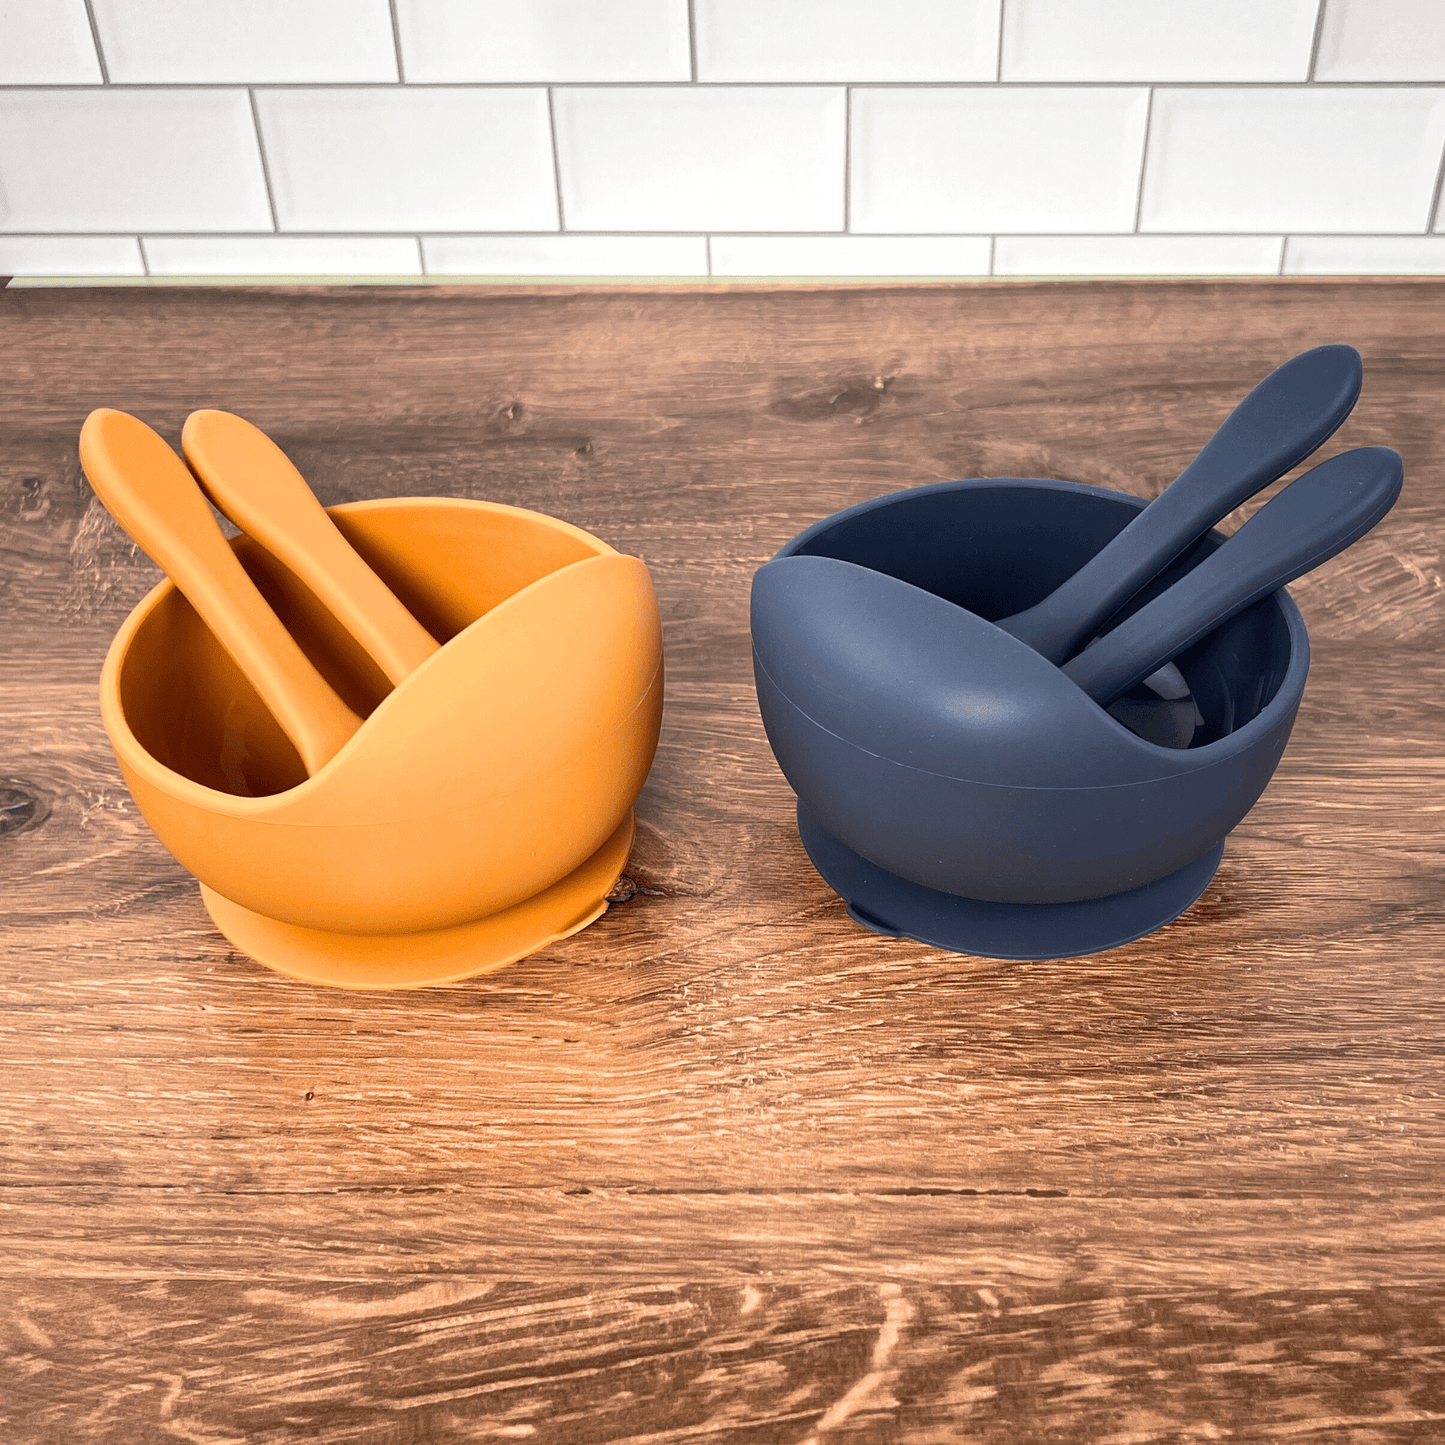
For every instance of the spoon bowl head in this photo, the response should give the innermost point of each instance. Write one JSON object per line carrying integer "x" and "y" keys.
{"x": 941, "y": 749}
{"x": 493, "y": 771}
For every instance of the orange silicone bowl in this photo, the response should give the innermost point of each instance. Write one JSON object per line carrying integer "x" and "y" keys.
{"x": 482, "y": 810}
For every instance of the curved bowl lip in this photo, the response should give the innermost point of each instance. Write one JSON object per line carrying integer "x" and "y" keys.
{"x": 1286, "y": 697}
{"x": 128, "y": 747}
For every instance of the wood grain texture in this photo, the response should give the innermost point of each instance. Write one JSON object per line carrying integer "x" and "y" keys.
{"x": 724, "y": 1166}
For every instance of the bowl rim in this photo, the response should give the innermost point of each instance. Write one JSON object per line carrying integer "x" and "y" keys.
{"x": 1286, "y": 697}
{"x": 127, "y": 747}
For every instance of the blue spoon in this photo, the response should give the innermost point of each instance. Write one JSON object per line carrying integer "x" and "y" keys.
{"x": 1312, "y": 519}
{"x": 1296, "y": 408}
{"x": 1287, "y": 416}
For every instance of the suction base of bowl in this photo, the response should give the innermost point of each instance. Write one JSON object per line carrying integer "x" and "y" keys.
{"x": 893, "y": 906}
{"x": 443, "y": 955}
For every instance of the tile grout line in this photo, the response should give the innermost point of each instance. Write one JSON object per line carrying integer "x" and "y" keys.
{"x": 882, "y": 236}
{"x": 692, "y": 38}
{"x": 992, "y": 255}
{"x": 145, "y": 261}
{"x": 591, "y": 278}
{"x": 95, "y": 39}
{"x": 1432, "y": 216}
{"x": 998, "y": 55}
{"x": 421, "y": 257}
{"x": 1343, "y": 86}
{"x": 239, "y": 235}
{"x": 707, "y": 254}
{"x": 1315, "y": 41}
{"x": 556, "y": 160}
{"x": 1283, "y": 252}
{"x": 847, "y": 160}
{"x": 1144, "y": 159}
{"x": 396, "y": 44}
{"x": 822, "y": 273}
{"x": 265, "y": 166}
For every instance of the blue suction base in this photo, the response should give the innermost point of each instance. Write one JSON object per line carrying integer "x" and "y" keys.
{"x": 893, "y": 906}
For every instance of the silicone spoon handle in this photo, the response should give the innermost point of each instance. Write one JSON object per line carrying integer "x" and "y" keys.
{"x": 1286, "y": 417}
{"x": 151, "y": 494}
{"x": 1311, "y": 520}
{"x": 252, "y": 481}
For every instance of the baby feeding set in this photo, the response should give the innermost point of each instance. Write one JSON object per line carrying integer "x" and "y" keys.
{"x": 399, "y": 742}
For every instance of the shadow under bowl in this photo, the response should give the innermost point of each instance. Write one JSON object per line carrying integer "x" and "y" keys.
{"x": 483, "y": 808}
{"x": 1011, "y": 825}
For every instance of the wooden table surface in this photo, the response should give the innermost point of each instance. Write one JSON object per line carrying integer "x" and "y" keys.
{"x": 725, "y": 1167}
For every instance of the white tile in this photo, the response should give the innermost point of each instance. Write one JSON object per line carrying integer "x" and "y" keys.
{"x": 130, "y": 160}
{"x": 46, "y": 42}
{"x": 1382, "y": 40}
{"x": 565, "y": 255}
{"x": 1136, "y": 255}
{"x": 544, "y": 40}
{"x": 70, "y": 256}
{"x": 1157, "y": 40}
{"x": 850, "y": 255}
{"x": 1316, "y": 159}
{"x": 985, "y": 159}
{"x": 846, "y": 40}
{"x": 697, "y": 158}
{"x": 404, "y": 159}
{"x": 190, "y": 42}
{"x": 282, "y": 255}
{"x": 1364, "y": 256}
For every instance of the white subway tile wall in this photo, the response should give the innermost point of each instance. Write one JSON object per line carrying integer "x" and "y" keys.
{"x": 46, "y": 42}
{"x": 188, "y": 42}
{"x": 985, "y": 158}
{"x": 1137, "y": 255}
{"x": 1382, "y": 40}
{"x": 543, "y": 40}
{"x": 70, "y": 256}
{"x": 569, "y": 255}
{"x": 282, "y": 255}
{"x": 1364, "y": 256}
{"x": 701, "y": 158}
{"x": 843, "y": 40}
{"x": 728, "y": 138}
{"x": 114, "y": 159}
{"x": 850, "y": 255}
{"x": 1153, "y": 40}
{"x": 404, "y": 158}
{"x": 1322, "y": 158}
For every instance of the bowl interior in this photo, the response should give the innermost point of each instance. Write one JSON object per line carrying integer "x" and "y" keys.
{"x": 998, "y": 547}
{"x": 449, "y": 562}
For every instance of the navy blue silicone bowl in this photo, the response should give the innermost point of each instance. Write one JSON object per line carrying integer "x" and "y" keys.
{"x": 1020, "y": 823}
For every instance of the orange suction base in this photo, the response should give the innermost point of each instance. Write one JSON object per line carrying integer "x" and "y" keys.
{"x": 443, "y": 955}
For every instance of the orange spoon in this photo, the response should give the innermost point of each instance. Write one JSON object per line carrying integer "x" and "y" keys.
{"x": 252, "y": 481}
{"x": 151, "y": 494}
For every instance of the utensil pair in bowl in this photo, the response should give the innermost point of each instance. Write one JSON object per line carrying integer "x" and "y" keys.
{"x": 365, "y": 812}
{"x": 955, "y": 784}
